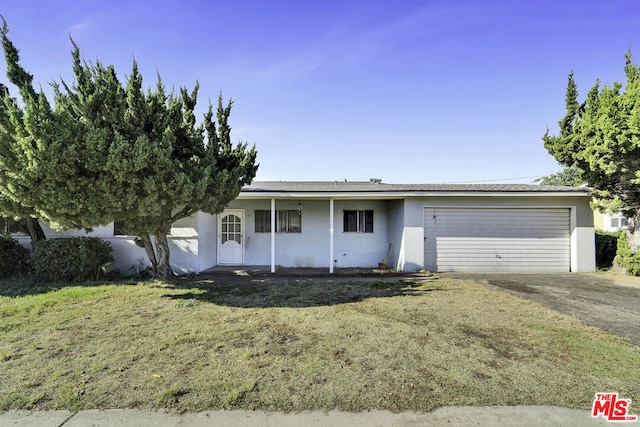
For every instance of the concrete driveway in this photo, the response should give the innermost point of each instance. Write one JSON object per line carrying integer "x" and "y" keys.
{"x": 607, "y": 303}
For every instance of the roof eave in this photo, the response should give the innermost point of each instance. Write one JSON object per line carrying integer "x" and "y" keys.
{"x": 404, "y": 194}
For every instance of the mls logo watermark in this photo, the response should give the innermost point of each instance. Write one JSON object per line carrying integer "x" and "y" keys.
{"x": 611, "y": 408}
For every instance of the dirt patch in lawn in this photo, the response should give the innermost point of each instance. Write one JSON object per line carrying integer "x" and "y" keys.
{"x": 400, "y": 345}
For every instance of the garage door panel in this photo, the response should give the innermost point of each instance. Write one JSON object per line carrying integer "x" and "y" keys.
{"x": 541, "y": 253}
{"x": 499, "y": 267}
{"x": 513, "y": 267}
{"x": 502, "y": 241}
{"x": 507, "y": 232}
{"x": 509, "y": 239}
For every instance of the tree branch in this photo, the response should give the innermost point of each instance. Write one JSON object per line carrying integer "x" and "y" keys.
{"x": 185, "y": 212}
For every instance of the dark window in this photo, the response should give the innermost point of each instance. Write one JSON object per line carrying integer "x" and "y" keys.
{"x": 119, "y": 228}
{"x": 358, "y": 222}
{"x": 289, "y": 221}
{"x": 10, "y": 226}
{"x": 263, "y": 221}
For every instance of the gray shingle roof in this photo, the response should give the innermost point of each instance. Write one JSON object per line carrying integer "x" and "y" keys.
{"x": 366, "y": 186}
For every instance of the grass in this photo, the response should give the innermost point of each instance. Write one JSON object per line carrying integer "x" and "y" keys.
{"x": 619, "y": 276}
{"x": 404, "y": 345}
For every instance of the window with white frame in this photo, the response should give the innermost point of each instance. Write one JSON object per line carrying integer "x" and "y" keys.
{"x": 618, "y": 222}
{"x": 358, "y": 221}
{"x": 287, "y": 221}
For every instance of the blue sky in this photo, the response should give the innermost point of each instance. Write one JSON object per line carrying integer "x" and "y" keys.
{"x": 406, "y": 91}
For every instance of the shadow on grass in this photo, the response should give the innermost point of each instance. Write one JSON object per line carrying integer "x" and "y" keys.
{"x": 313, "y": 293}
{"x": 25, "y": 285}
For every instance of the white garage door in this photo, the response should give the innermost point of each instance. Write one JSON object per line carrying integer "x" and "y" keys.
{"x": 501, "y": 239}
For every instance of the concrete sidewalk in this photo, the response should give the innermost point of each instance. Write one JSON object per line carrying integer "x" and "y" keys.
{"x": 450, "y": 416}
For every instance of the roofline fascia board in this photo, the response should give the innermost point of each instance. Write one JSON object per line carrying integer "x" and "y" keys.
{"x": 404, "y": 194}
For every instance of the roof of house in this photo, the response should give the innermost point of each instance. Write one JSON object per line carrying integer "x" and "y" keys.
{"x": 380, "y": 187}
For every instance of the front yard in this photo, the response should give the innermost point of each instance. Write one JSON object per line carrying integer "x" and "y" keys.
{"x": 404, "y": 345}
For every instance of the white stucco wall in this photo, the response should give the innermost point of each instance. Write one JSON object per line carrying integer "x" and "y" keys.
{"x": 413, "y": 235}
{"x": 311, "y": 247}
{"x": 361, "y": 249}
{"x": 127, "y": 256}
{"x": 207, "y": 244}
{"x": 99, "y": 231}
{"x": 183, "y": 245}
{"x": 395, "y": 231}
{"x": 307, "y": 249}
{"x": 583, "y": 245}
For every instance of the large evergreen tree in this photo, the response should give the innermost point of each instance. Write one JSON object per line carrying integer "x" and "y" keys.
{"x": 568, "y": 176}
{"x": 601, "y": 137}
{"x": 111, "y": 151}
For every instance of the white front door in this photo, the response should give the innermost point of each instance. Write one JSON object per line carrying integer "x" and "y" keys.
{"x": 231, "y": 237}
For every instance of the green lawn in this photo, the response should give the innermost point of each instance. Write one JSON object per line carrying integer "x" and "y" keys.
{"x": 405, "y": 345}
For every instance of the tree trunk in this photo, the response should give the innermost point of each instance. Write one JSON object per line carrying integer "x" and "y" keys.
{"x": 148, "y": 248}
{"x": 35, "y": 231}
{"x": 633, "y": 232}
{"x": 162, "y": 246}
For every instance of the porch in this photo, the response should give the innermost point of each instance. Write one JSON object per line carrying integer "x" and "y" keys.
{"x": 319, "y": 235}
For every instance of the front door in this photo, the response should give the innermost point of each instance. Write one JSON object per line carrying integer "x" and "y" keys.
{"x": 230, "y": 237}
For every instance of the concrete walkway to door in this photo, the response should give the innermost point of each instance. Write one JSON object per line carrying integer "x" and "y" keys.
{"x": 611, "y": 303}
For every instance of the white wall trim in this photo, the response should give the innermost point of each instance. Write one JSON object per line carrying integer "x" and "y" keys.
{"x": 573, "y": 233}
{"x": 241, "y": 214}
{"x": 403, "y": 194}
{"x": 273, "y": 235}
{"x": 331, "y": 231}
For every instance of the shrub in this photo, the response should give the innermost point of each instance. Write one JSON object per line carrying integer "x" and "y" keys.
{"x": 626, "y": 258}
{"x": 70, "y": 259}
{"x": 14, "y": 258}
{"x": 606, "y": 248}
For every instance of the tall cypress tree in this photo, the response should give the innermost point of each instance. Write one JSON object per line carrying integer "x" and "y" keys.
{"x": 601, "y": 137}
{"x": 17, "y": 196}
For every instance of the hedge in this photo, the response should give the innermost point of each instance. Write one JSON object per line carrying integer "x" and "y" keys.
{"x": 606, "y": 248}
{"x": 14, "y": 258}
{"x": 70, "y": 259}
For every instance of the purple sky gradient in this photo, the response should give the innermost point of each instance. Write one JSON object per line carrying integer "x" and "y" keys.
{"x": 406, "y": 91}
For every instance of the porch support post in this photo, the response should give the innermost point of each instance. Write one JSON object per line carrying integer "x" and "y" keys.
{"x": 273, "y": 235}
{"x": 330, "y": 235}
